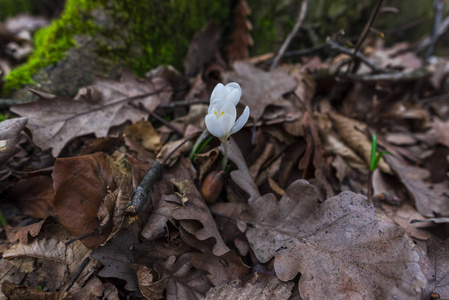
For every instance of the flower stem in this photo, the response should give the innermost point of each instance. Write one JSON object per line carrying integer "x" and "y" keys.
{"x": 224, "y": 162}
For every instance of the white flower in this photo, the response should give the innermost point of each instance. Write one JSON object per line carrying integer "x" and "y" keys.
{"x": 220, "y": 120}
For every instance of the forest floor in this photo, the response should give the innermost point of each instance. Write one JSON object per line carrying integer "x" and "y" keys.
{"x": 120, "y": 191}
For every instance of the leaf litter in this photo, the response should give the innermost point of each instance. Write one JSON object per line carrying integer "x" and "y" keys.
{"x": 288, "y": 218}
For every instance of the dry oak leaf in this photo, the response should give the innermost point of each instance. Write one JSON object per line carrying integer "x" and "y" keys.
{"x": 182, "y": 280}
{"x": 261, "y": 89}
{"x": 339, "y": 247}
{"x": 435, "y": 266}
{"x": 257, "y": 286}
{"x": 55, "y": 121}
{"x": 117, "y": 257}
{"x": 81, "y": 184}
{"x": 10, "y": 137}
{"x": 430, "y": 199}
{"x": 150, "y": 290}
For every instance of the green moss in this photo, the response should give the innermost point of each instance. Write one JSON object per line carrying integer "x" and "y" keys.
{"x": 52, "y": 42}
{"x": 138, "y": 34}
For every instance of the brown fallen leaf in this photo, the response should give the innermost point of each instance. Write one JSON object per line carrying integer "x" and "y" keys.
{"x": 203, "y": 49}
{"x": 183, "y": 281}
{"x": 256, "y": 286}
{"x": 13, "y": 291}
{"x": 94, "y": 289}
{"x": 349, "y": 131}
{"x": 20, "y": 233}
{"x": 261, "y": 89}
{"x": 435, "y": 266}
{"x": 338, "y": 246}
{"x": 81, "y": 183}
{"x": 10, "y": 273}
{"x": 10, "y": 137}
{"x": 430, "y": 199}
{"x": 150, "y": 289}
{"x": 34, "y": 196}
{"x": 54, "y": 122}
{"x": 241, "y": 39}
{"x": 144, "y": 139}
{"x": 117, "y": 258}
{"x": 442, "y": 130}
{"x": 57, "y": 262}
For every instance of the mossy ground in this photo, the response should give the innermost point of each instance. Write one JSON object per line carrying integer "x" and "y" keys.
{"x": 137, "y": 34}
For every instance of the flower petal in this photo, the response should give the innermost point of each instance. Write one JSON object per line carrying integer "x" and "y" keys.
{"x": 217, "y": 92}
{"x": 214, "y": 127}
{"x": 234, "y": 97}
{"x": 229, "y": 108}
{"x": 217, "y": 104}
{"x": 241, "y": 121}
{"x": 226, "y": 121}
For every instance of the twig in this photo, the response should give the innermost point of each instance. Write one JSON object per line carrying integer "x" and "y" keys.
{"x": 301, "y": 17}
{"x": 365, "y": 32}
{"x": 140, "y": 197}
{"x": 392, "y": 77}
{"x": 359, "y": 55}
{"x": 433, "y": 99}
{"x": 87, "y": 234}
{"x": 157, "y": 117}
{"x": 78, "y": 273}
{"x": 184, "y": 103}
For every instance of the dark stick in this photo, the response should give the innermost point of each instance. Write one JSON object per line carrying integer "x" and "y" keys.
{"x": 359, "y": 55}
{"x": 87, "y": 233}
{"x": 140, "y": 197}
{"x": 184, "y": 103}
{"x": 78, "y": 273}
{"x": 438, "y": 5}
{"x": 365, "y": 32}
{"x": 299, "y": 21}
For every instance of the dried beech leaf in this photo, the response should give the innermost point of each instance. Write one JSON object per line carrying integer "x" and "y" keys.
{"x": 337, "y": 246}
{"x": 54, "y": 122}
{"x": 259, "y": 286}
{"x": 10, "y": 137}
{"x": 355, "y": 139}
{"x": 429, "y": 199}
{"x": 435, "y": 266}
{"x": 261, "y": 89}
{"x": 34, "y": 196}
{"x": 81, "y": 183}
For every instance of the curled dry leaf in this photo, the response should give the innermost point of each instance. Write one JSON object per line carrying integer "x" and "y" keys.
{"x": 81, "y": 184}
{"x": 20, "y": 233}
{"x": 143, "y": 138}
{"x": 10, "y": 137}
{"x": 94, "y": 289}
{"x": 338, "y": 246}
{"x": 54, "y": 122}
{"x": 350, "y": 131}
{"x": 150, "y": 289}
